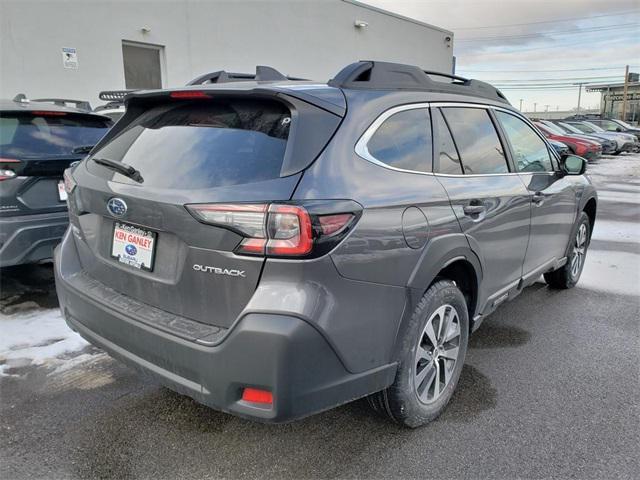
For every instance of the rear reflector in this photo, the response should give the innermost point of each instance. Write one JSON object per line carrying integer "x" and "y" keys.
{"x": 187, "y": 95}
{"x": 255, "y": 395}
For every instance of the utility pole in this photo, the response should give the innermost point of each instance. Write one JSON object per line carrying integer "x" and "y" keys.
{"x": 624, "y": 93}
{"x": 521, "y": 104}
{"x": 534, "y": 107}
{"x": 546, "y": 108}
{"x": 579, "y": 96}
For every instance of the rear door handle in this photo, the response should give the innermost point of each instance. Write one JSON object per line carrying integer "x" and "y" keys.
{"x": 473, "y": 209}
{"x": 538, "y": 198}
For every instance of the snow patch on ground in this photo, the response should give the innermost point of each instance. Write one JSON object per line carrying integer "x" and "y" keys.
{"x": 612, "y": 231}
{"x": 39, "y": 337}
{"x": 614, "y": 272}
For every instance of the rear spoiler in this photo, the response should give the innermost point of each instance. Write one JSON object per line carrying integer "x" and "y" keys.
{"x": 66, "y": 102}
{"x": 61, "y": 102}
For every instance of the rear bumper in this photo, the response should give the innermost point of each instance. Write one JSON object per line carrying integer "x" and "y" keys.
{"x": 30, "y": 238}
{"x": 276, "y": 352}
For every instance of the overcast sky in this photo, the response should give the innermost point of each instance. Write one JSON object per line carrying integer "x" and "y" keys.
{"x": 516, "y": 43}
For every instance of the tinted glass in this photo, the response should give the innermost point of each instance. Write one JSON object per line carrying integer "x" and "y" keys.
{"x": 477, "y": 140}
{"x": 26, "y": 135}
{"x": 203, "y": 145}
{"x": 404, "y": 141}
{"x": 530, "y": 153}
{"x": 570, "y": 128}
{"x": 448, "y": 159}
{"x": 608, "y": 125}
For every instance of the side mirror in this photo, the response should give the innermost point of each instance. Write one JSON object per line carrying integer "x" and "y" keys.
{"x": 573, "y": 165}
{"x": 618, "y": 129}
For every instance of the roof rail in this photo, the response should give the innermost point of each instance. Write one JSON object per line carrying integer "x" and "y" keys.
{"x": 373, "y": 75}
{"x": 65, "y": 102}
{"x": 263, "y": 74}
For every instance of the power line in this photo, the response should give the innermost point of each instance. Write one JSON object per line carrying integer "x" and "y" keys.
{"x": 574, "y": 79}
{"x": 545, "y": 21}
{"x": 556, "y": 45}
{"x": 545, "y": 71}
{"x": 576, "y": 31}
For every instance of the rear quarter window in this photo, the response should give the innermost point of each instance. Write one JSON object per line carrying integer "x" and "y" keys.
{"x": 202, "y": 145}
{"x": 404, "y": 141}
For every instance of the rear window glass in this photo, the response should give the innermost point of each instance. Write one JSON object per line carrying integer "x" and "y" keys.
{"x": 28, "y": 135}
{"x": 202, "y": 145}
{"x": 404, "y": 141}
{"x": 477, "y": 140}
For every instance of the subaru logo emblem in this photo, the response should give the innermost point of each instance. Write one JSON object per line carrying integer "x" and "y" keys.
{"x": 117, "y": 207}
{"x": 131, "y": 249}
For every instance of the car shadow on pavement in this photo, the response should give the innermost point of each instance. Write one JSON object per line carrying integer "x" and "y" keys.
{"x": 27, "y": 287}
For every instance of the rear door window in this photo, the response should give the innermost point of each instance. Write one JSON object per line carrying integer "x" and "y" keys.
{"x": 404, "y": 141}
{"x": 477, "y": 140}
{"x": 530, "y": 152}
{"x": 448, "y": 160}
{"x": 202, "y": 145}
{"x": 26, "y": 135}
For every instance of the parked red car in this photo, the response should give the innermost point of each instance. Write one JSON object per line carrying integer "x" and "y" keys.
{"x": 578, "y": 146}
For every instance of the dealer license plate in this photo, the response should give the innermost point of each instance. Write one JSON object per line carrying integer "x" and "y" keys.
{"x": 133, "y": 246}
{"x": 62, "y": 193}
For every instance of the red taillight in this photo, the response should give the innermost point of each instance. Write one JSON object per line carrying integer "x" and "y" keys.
{"x": 7, "y": 173}
{"x": 276, "y": 230}
{"x": 46, "y": 113}
{"x": 255, "y": 395}
{"x": 247, "y": 219}
{"x": 289, "y": 231}
{"x": 188, "y": 95}
{"x": 69, "y": 182}
{"x": 331, "y": 224}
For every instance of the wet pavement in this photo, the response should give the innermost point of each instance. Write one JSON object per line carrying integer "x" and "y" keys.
{"x": 550, "y": 389}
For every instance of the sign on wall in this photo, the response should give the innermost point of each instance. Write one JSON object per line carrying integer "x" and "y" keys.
{"x": 69, "y": 58}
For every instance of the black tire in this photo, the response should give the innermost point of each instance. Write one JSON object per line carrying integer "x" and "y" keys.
{"x": 566, "y": 276}
{"x": 401, "y": 400}
{"x": 617, "y": 152}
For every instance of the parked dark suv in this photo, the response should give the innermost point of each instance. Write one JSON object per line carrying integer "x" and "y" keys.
{"x": 274, "y": 249}
{"x": 37, "y": 142}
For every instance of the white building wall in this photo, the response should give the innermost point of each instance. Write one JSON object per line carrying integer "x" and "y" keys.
{"x": 311, "y": 39}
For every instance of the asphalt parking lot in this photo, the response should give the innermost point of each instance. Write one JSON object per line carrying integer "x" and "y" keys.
{"x": 550, "y": 389}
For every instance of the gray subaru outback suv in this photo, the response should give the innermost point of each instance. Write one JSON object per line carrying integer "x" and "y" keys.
{"x": 39, "y": 139}
{"x": 276, "y": 248}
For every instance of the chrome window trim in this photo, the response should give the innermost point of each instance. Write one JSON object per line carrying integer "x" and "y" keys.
{"x": 362, "y": 149}
{"x": 363, "y": 152}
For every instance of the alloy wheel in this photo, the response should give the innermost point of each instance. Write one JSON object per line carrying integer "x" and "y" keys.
{"x": 579, "y": 251}
{"x": 437, "y": 353}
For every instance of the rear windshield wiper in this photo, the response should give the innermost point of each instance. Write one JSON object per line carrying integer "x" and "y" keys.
{"x": 123, "y": 168}
{"x": 82, "y": 149}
